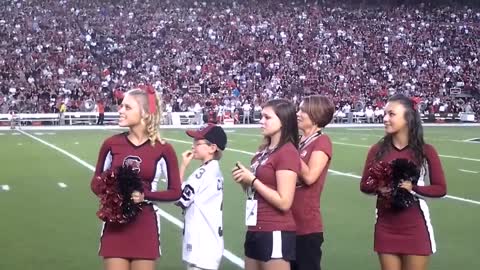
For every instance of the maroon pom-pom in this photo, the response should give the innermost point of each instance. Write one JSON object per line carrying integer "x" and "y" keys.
{"x": 116, "y": 205}
{"x": 380, "y": 182}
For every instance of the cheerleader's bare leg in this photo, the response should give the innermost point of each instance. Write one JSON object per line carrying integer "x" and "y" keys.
{"x": 116, "y": 264}
{"x": 414, "y": 262}
{"x": 390, "y": 261}
{"x": 142, "y": 265}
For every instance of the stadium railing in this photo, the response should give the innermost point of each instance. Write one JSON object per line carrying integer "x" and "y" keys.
{"x": 181, "y": 119}
{"x": 84, "y": 118}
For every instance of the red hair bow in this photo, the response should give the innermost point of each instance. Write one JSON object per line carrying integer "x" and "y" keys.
{"x": 152, "y": 107}
{"x": 415, "y": 102}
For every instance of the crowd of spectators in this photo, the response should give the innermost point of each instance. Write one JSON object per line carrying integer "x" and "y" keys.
{"x": 80, "y": 52}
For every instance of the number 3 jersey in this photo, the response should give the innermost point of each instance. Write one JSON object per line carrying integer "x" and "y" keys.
{"x": 202, "y": 201}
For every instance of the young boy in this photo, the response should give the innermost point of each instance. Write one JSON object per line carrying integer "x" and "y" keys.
{"x": 202, "y": 199}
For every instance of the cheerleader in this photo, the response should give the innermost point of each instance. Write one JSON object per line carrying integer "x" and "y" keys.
{"x": 404, "y": 239}
{"x": 136, "y": 245}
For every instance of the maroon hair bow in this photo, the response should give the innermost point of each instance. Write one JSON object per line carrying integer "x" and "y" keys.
{"x": 415, "y": 102}
{"x": 152, "y": 107}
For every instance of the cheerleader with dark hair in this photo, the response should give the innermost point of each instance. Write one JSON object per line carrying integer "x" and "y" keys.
{"x": 402, "y": 171}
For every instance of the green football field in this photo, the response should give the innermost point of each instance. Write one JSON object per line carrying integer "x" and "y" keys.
{"x": 48, "y": 221}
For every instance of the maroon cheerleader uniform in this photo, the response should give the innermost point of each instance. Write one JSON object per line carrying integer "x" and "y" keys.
{"x": 140, "y": 238}
{"x": 408, "y": 231}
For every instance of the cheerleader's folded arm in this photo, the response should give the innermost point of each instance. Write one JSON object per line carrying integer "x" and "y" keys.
{"x": 174, "y": 183}
{"x": 95, "y": 185}
{"x": 103, "y": 163}
{"x": 367, "y": 184}
{"x": 437, "y": 187}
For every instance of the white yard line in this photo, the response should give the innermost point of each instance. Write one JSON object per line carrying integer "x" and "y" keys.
{"x": 429, "y": 137}
{"x": 227, "y": 254}
{"x": 333, "y": 171}
{"x": 467, "y": 171}
{"x": 352, "y": 144}
{"x": 462, "y": 199}
{"x": 247, "y": 134}
{"x": 444, "y": 156}
{"x": 465, "y": 141}
{"x": 367, "y": 129}
{"x": 462, "y": 158}
{"x": 368, "y": 146}
{"x": 377, "y": 136}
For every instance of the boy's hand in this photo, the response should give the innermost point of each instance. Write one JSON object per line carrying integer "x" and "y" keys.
{"x": 187, "y": 156}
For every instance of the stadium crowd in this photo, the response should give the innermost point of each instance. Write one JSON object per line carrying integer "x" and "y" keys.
{"x": 82, "y": 52}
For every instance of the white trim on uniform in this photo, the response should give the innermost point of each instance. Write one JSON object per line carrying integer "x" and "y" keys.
{"x": 428, "y": 224}
{"x": 108, "y": 161}
{"x": 157, "y": 218}
{"x": 423, "y": 180}
{"x": 101, "y": 235}
{"x": 160, "y": 170}
{"x": 106, "y": 165}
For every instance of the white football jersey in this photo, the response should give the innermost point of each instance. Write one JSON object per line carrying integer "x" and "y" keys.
{"x": 202, "y": 201}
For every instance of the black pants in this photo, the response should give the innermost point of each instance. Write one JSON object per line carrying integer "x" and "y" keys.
{"x": 101, "y": 116}
{"x": 309, "y": 252}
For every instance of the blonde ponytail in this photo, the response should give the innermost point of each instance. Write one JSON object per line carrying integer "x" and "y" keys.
{"x": 151, "y": 120}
